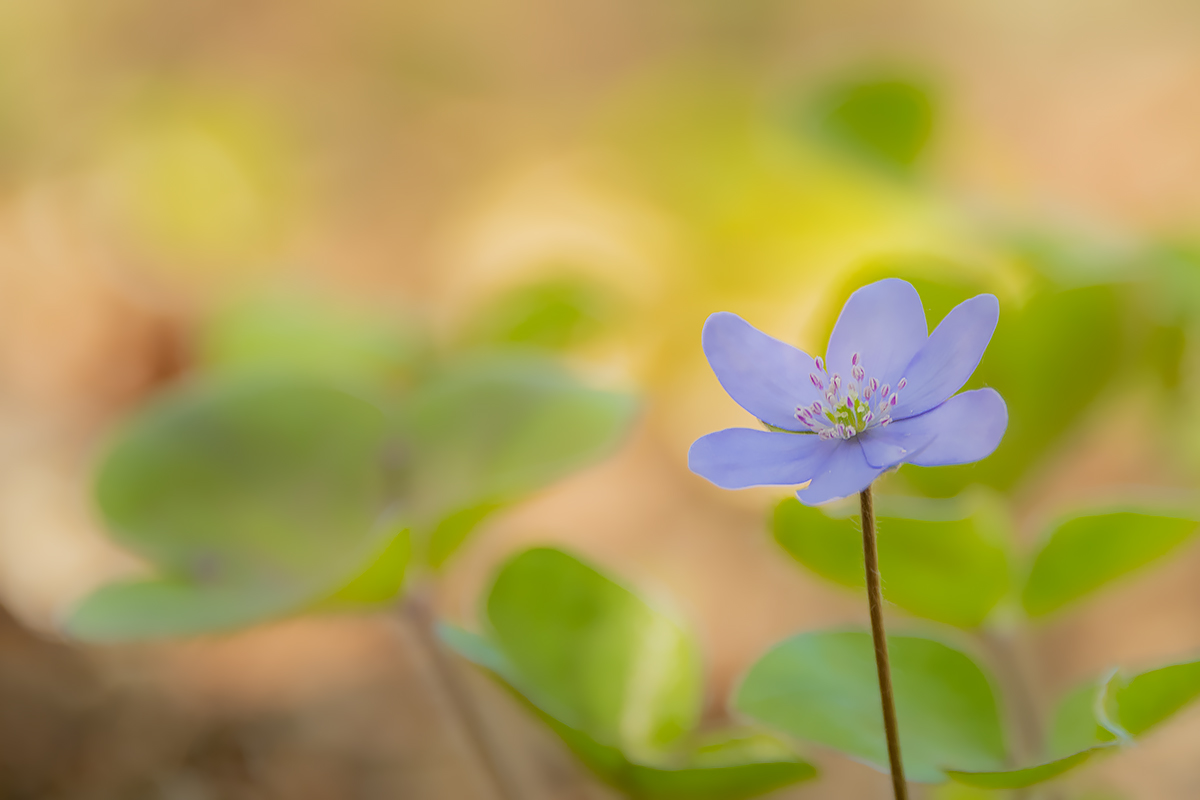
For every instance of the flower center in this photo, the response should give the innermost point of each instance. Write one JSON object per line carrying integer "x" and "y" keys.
{"x": 849, "y": 409}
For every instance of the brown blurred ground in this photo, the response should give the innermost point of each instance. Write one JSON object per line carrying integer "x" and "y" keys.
{"x": 433, "y": 140}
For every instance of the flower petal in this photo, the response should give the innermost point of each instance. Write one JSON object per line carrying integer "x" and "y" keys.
{"x": 950, "y": 355}
{"x": 965, "y": 428}
{"x": 885, "y": 447}
{"x": 844, "y": 473}
{"x": 739, "y": 457}
{"x": 767, "y": 377}
{"x": 884, "y": 322}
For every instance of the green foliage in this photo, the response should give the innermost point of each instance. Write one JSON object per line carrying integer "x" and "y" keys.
{"x": 452, "y": 530}
{"x": 487, "y": 429}
{"x": 944, "y": 560}
{"x": 1084, "y": 553}
{"x": 306, "y": 337}
{"x": 1132, "y": 704}
{"x": 618, "y": 681}
{"x": 599, "y": 658}
{"x": 1029, "y": 776}
{"x": 164, "y": 607}
{"x": 555, "y": 314}
{"x": 252, "y": 496}
{"x": 823, "y": 688}
{"x": 888, "y": 123}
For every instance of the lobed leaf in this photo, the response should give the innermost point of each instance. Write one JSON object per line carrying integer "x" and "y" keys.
{"x": 1082, "y": 554}
{"x": 253, "y": 496}
{"x": 594, "y": 655}
{"x": 1135, "y": 704}
{"x": 490, "y": 428}
{"x": 1029, "y": 776}
{"x": 823, "y": 688}
{"x": 618, "y": 682}
{"x": 944, "y": 560}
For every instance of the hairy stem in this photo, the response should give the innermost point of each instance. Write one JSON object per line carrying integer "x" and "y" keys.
{"x": 419, "y": 614}
{"x": 875, "y": 601}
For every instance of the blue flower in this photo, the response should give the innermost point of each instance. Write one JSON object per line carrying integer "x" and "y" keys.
{"x": 884, "y": 395}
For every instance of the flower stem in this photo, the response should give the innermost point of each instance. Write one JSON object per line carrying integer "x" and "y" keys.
{"x": 420, "y": 615}
{"x": 875, "y": 601}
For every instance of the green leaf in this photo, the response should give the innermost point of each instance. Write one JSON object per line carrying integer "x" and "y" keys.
{"x": 491, "y": 428}
{"x": 943, "y": 560}
{"x": 454, "y": 529}
{"x": 823, "y": 688}
{"x": 1082, "y": 554}
{"x": 556, "y": 314}
{"x": 1135, "y": 704}
{"x": 886, "y": 122}
{"x": 380, "y": 583}
{"x": 1029, "y": 776}
{"x": 251, "y": 486}
{"x": 728, "y": 766}
{"x": 594, "y": 655}
{"x": 156, "y": 608}
{"x": 304, "y": 336}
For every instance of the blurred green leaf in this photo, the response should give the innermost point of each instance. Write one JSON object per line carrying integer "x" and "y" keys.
{"x": 304, "y": 336}
{"x": 592, "y": 654}
{"x": 156, "y": 608}
{"x": 823, "y": 688}
{"x": 886, "y": 122}
{"x": 555, "y": 314}
{"x": 249, "y": 487}
{"x": 454, "y": 529}
{"x": 1082, "y": 554}
{"x": 380, "y": 583}
{"x": 1136, "y": 703}
{"x": 1029, "y": 776}
{"x": 593, "y": 611}
{"x": 490, "y": 428}
{"x": 943, "y": 560}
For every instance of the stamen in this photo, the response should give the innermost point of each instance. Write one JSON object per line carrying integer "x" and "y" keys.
{"x": 859, "y": 373}
{"x": 892, "y": 402}
{"x": 868, "y": 418}
{"x": 900, "y": 386}
{"x": 872, "y": 385}
{"x": 820, "y": 362}
{"x": 836, "y": 382}
{"x": 854, "y": 360}
{"x": 817, "y": 382}
{"x": 886, "y": 391}
{"x": 816, "y": 407}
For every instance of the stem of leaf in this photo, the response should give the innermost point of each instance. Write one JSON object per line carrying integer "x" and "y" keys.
{"x": 875, "y": 601}
{"x": 418, "y": 612}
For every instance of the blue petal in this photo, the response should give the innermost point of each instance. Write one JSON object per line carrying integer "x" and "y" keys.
{"x": 965, "y": 428}
{"x": 949, "y": 356}
{"x": 739, "y": 457}
{"x": 767, "y": 377}
{"x": 885, "y": 447}
{"x": 884, "y": 322}
{"x": 844, "y": 473}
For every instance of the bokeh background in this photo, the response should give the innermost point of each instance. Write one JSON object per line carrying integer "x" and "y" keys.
{"x": 593, "y": 179}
